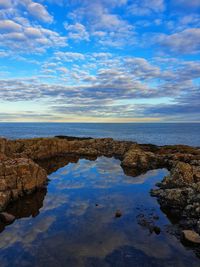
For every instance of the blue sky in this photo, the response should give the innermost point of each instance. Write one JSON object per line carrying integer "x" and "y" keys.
{"x": 100, "y": 60}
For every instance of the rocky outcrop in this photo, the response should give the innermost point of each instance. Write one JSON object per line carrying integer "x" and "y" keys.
{"x": 24, "y": 164}
{"x": 179, "y": 193}
{"x": 19, "y": 176}
{"x": 139, "y": 160}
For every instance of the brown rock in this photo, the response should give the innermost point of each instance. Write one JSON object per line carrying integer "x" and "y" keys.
{"x": 138, "y": 159}
{"x": 6, "y": 217}
{"x": 183, "y": 172}
{"x": 191, "y": 236}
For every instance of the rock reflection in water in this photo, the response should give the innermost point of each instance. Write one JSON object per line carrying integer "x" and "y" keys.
{"x": 53, "y": 164}
{"x": 27, "y": 206}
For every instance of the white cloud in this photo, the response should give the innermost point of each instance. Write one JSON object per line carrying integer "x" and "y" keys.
{"x": 187, "y": 41}
{"x": 5, "y": 4}
{"x": 9, "y": 26}
{"x": 77, "y": 31}
{"x": 186, "y": 3}
{"x": 24, "y": 37}
{"x": 144, "y": 7}
{"x": 33, "y": 32}
{"x": 62, "y": 70}
{"x": 39, "y": 11}
{"x": 108, "y": 28}
{"x": 69, "y": 56}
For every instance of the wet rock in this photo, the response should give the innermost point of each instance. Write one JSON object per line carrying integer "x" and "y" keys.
{"x": 191, "y": 236}
{"x": 118, "y": 214}
{"x": 148, "y": 222}
{"x": 156, "y": 230}
{"x": 6, "y": 217}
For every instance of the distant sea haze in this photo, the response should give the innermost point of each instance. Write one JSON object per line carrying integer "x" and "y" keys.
{"x": 155, "y": 133}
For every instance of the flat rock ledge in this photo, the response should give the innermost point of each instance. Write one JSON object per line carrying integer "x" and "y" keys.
{"x": 179, "y": 192}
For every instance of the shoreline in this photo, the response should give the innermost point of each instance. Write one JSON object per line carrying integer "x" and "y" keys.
{"x": 179, "y": 192}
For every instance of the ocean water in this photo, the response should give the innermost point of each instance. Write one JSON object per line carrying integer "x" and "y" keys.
{"x": 155, "y": 133}
{"x": 73, "y": 222}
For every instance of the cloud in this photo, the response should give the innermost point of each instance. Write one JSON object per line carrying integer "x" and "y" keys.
{"x": 5, "y": 4}
{"x": 23, "y": 38}
{"x": 69, "y": 56}
{"x": 185, "y": 42}
{"x": 9, "y": 26}
{"x": 107, "y": 27}
{"x": 39, "y": 12}
{"x": 143, "y": 8}
{"x": 194, "y": 4}
{"x": 77, "y": 31}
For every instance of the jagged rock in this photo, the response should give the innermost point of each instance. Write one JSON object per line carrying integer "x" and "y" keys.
{"x": 191, "y": 236}
{"x": 17, "y": 177}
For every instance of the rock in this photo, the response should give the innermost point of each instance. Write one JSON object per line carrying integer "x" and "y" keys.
{"x": 191, "y": 236}
{"x": 19, "y": 176}
{"x": 156, "y": 230}
{"x": 6, "y": 217}
{"x": 4, "y": 199}
{"x": 136, "y": 158}
{"x": 182, "y": 173}
{"x": 118, "y": 214}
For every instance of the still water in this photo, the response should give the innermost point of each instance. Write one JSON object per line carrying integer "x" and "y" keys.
{"x": 73, "y": 222}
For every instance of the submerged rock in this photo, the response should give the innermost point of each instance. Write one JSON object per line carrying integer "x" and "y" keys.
{"x": 118, "y": 214}
{"x": 191, "y": 236}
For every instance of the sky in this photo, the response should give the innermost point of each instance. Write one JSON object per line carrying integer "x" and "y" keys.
{"x": 100, "y": 60}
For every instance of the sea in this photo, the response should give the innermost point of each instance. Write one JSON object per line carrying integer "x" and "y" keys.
{"x": 154, "y": 133}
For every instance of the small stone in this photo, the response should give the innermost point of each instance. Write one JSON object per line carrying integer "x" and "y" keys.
{"x": 118, "y": 214}
{"x": 191, "y": 236}
{"x": 156, "y": 230}
{"x": 156, "y": 217}
{"x": 6, "y": 217}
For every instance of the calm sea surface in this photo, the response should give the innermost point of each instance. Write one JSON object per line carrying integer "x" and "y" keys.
{"x": 155, "y": 133}
{"x": 73, "y": 223}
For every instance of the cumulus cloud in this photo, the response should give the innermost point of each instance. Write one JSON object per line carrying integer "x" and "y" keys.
{"x": 39, "y": 11}
{"x": 23, "y": 38}
{"x": 99, "y": 95}
{"x": 69, "y": 56}
{"x": 5, "y": 4}
{"x": 116, "y": 73}
{"x": 185, "y": 42}
{"x": 143, "y": 7}
{"x": 77, "y": 31}
{"x": 186, "y": 4}
{"x": 9, "y": 26}
{"x": 107, "y": 27}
